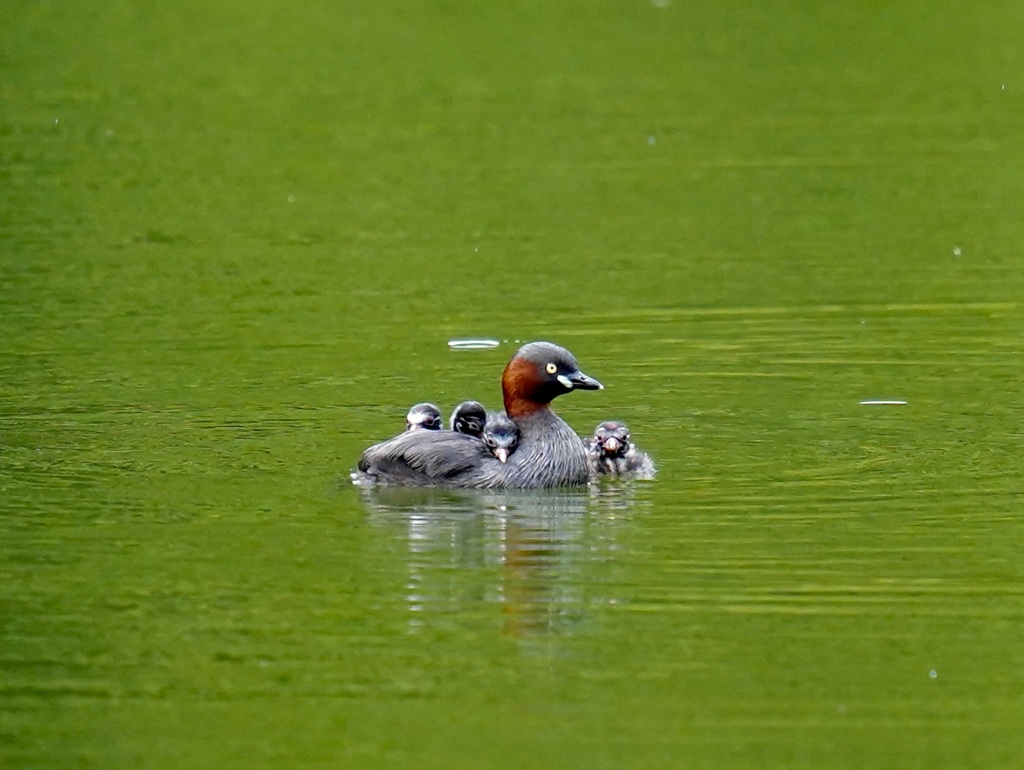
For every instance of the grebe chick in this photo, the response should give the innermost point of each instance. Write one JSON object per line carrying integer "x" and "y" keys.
{"x": 423, "y": 417}
{"x": 501, "y": 436}
{"x": 612, "y": 452}
{"x": 469, "y": 417}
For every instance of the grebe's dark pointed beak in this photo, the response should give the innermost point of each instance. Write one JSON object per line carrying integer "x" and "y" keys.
{"x": 579, "y": 381}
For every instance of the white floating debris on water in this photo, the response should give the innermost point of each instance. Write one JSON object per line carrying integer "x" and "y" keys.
{"x": 883, "y": 402}
{"x": 933, "y": 674}
{"x": 956, "y": 251}
{"x": 473, "y": 344}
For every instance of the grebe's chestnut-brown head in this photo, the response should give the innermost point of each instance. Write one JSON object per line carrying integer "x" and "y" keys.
{"x": 538, "y": 373}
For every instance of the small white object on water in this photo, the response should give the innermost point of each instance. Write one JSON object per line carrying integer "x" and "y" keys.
{"x": 473, "y": 344}
{"x": 650, "y": 140}
{"x": 933, "y": 674}
{"x": 956, "y": 251}
{"x": 880, "y": 402}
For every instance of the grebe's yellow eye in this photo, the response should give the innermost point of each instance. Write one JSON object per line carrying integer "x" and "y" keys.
{"x": 551, "y": 368}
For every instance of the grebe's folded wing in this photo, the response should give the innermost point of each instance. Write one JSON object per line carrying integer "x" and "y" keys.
{"x": 423, "y": 457}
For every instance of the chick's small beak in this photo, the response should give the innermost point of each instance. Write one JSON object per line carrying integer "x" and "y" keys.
{"x": 579, "y": 381}
{"x": 611, "y": 444}
{"x": 501, "y": 453}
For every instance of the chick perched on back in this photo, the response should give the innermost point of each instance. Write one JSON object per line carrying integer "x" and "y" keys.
{"x": 612, "y": 453}
{"x": 423, "y": 417}
{"x": 469, "y": 417}
{"x": 501, "y": 436}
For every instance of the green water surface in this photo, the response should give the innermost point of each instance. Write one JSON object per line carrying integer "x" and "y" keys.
{"x": 235, "y": 239}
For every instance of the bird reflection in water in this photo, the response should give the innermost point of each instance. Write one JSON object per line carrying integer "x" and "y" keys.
{"x": 530, "y": 552}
